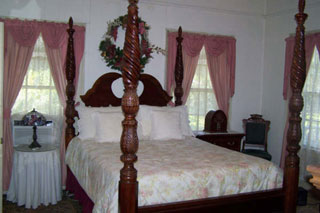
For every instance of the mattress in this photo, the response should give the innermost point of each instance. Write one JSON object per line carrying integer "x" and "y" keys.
{"x": 169, "y": 171}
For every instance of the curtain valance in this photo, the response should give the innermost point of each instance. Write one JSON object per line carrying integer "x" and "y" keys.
{"x": 311, "y": 41}
{"x": 220, "y": 51}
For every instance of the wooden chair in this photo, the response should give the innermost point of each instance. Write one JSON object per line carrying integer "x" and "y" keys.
{"x": 256, "y": 130}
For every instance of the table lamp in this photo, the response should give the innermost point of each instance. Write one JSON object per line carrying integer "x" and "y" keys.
{"x": 34, "y": 119}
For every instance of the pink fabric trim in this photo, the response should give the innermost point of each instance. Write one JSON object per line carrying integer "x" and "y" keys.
{"x": 6, "y": 113}
{"x": 287, "y": 65}
{"x": 232, "y": 63}
{"x": 54, "y": 34}
{"x": 190, "y": 64}
{"x": 73, "y": 186}
{"x": 20, "y": 38}
{"x": 16, "y": 61}
{"x": 220, "y": 51}
{"x": 56, "y": 41}
{"x": 192, "y": 44}
{"x": 171, "y": 59}
{"x": 25, "y": 33}
{"x": 79, "y": 38}
{"x": 311, "y": 41}
{"x": 215, "y": 47}
{"x": 220, "y": 79}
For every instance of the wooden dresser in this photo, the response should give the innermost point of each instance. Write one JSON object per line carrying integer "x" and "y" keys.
{"x": 230, "y": 140}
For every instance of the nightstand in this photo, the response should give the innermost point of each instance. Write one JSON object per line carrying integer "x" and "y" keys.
{"x": 36, "y": 176}
{"x": 230, "y": 139}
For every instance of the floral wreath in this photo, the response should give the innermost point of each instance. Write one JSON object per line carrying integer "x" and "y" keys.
{"x": 113, "y": 55}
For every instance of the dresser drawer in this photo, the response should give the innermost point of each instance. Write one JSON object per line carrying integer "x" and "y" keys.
{"x": 230, "y": 141}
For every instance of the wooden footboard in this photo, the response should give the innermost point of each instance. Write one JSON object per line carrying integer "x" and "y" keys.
{"x": 263, "y": 201}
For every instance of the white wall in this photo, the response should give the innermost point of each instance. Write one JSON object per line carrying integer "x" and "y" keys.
{"x": 280, "y": 24}
{"x": 242, "y": 19}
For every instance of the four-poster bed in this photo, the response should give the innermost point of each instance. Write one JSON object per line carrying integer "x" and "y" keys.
{"x": 101, "y": 95}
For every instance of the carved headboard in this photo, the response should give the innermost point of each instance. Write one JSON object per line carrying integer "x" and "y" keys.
{"x": 101, "y": 95}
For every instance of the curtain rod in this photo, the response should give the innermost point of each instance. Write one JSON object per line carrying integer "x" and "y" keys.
{"x": 59, "y": 22}
{"x": 201, "y": 33}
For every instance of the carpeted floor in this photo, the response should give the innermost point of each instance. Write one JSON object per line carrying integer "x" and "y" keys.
{"x": 311, "y": 207}
{"x": 68, "y": 205}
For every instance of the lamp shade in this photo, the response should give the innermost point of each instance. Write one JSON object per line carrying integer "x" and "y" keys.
{"x": 34, "y": 118}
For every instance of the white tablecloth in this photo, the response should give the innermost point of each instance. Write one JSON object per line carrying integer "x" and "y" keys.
{"x": 36, "y": 176}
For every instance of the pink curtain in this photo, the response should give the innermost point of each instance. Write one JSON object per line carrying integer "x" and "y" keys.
{"x": 287, "y": 65}
{"x": 221, "y": 62}
{"x": 192, "y": 45}
{"x": 55, "y": 38}
{"x": 20, "y": 38}
{"x": 171, "y": 60}
{"x": 311, "y": 41}
{"x": 220, "y": 53}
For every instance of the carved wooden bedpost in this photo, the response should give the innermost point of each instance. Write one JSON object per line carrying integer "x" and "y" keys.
{"x": 128, "y": 184}
{"x": 70, "y": 89}
{"x": 178, "y": 71}
{"x": 297, "y": 79}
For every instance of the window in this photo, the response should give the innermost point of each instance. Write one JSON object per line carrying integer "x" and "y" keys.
{"x": 201, "y": 98}
{"x": 311, "y": 110}
{"x": 38, "y": 90}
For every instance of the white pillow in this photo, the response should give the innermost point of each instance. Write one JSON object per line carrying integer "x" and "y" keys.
{"x": 108, "y": 127}
{"x": 87, "y": 130}
{"x": 145, "y": 118}
{"x": 86, "y": 125}
{"x": 165, "y": 125}
{"x": 184, "y": 116}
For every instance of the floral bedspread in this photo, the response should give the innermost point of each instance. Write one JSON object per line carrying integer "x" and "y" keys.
{"x": 169, "y": 171}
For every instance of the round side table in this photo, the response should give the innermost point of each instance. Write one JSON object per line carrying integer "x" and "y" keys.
{"x": 36, "y": 176}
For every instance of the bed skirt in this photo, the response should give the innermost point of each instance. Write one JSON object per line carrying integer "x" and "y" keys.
{"x": 74, "y": 187}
